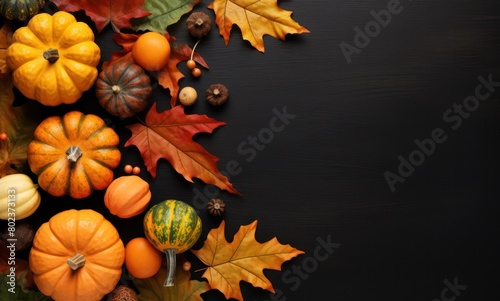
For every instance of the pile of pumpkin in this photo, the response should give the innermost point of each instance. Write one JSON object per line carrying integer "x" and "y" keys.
{"x": 78, "y": 254}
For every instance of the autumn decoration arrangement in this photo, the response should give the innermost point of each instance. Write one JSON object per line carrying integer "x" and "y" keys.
{"x": 52, "y": 59}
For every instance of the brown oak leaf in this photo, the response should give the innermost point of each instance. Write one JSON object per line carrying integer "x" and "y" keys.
{"x": 117, "y": 12}
{"x": 19, "y": 124}
{"x": 243, "y": 259}
{"x": 168, "y": 135}
{"x": 5, "y": 41}
{"x": 184, "y": 288}
{"x": 169, "y": 76}
{"x": 255, "y": 18}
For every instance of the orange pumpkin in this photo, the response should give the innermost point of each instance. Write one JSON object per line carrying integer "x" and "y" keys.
{"x": 77, "y": 255}
{"x": 74, "y": 154}
{"x": 127, "y": 196}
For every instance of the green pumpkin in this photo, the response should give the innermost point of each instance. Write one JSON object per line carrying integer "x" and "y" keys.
{"x": 20, "y": 9}
{"x": 173, "y": 227}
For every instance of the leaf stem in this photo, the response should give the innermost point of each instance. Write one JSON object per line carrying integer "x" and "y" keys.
{"x": 194, "y": 47}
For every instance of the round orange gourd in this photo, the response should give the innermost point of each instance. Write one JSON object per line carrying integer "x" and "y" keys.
{"x": 151, "y": 51}
{"x": 142, "y": 259}
{"x": 77, "y": 255}
{"x": 53, "y": 58}
{"x": 127, "y": 196}
{"x": 74, "y": 154}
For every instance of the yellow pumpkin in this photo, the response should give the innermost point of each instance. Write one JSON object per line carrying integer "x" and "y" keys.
{"x": 53, "y": 58}
{"x": 19, "y": 197}
{"x": 127, "y": 196}
{"x": 77, "y": 256}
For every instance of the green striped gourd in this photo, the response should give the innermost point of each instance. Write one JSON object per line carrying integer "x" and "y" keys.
{"x": 173, "y": 227}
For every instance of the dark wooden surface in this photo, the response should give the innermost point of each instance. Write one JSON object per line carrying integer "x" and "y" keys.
{"x": 321, "y": 178}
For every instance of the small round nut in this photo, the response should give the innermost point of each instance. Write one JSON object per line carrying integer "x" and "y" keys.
{"x": 188, "y": 96}
{"x": 217, "y": 94}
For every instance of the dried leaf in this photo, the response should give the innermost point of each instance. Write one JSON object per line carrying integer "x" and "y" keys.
{"x": 169, "y": 76}
{"x": 255, "y": 18}
{"x": 19, "y": 124}
{"x": 184, "y": 289}
{"x": 168, "y": 135}
{"x": 163, "y": 14}
{"x": 242, "y": 259}
{"x": 5, "y": 41}
{"x": 117, "y": 12}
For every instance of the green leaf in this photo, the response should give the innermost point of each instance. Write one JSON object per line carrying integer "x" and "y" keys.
{"x": 19, "y": 124}
{"x": 184, "y": 289}
{"x": 163, "y": 14}
{"x": 16, "y": 292}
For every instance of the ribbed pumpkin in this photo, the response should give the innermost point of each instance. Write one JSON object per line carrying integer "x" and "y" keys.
{"x": 173, "y": 227}
{"x": 20, "y": 9}
{"x": 127, "y": 196}
{"x": 53, "y": 58}
{"x": 21, "y": 193}
{"x": 74, "y": 154}
{"x": 123, "y": 89}
{"x": 77, "y": 256}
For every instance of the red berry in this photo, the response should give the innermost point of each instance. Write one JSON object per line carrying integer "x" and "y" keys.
{"x": 3, "y": 136}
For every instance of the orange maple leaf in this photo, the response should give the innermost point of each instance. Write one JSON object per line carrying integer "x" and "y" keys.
{"x": 255, "y": 18}
{"x": 168, "y": 135}
{"x": 169, "y": 76}
{"x": 5, "y": 41}
{"x": 242, "y": 259}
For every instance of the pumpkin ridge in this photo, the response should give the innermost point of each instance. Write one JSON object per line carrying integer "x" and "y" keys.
{"x": 43, "y": 168}
{"x": 91, "y": 238}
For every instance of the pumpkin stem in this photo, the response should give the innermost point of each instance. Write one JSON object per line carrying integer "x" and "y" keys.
{"x": 51, "y": 55}
{"x": 171, "y": 263}
{"x": 74, "y": 153}
{"x": 116, "y": 89}
{"x": 76, "y": 262}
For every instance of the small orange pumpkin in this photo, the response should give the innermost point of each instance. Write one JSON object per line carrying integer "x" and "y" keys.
{"x": 127, "y": 196}
{"x": 74, "y": 154}
{"x": 77, "y": 255}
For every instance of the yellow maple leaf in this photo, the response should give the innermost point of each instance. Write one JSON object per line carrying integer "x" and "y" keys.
{"x": 255, "y": 18}
{"x": 242, "y": 259}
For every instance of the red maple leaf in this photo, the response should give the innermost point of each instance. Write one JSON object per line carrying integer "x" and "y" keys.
{"x": 103, "y": 12}
{"x": 168, "y": 135}
{"x": 169, "y": 76}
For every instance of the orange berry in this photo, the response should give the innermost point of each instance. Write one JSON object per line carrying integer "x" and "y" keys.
{"x": 136, "y": 170}
{"x": 151, "y": 51}
{"x": 196, "y": 72}
{"x": 191, "y": 64}
{"x": 128, "y": 168}
{"x": 3, "y": 136}
{"x": 186, "y": 266}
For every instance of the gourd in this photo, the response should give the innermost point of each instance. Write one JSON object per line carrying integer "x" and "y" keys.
{"x": 77, "y": 255}
{"x": 53, "y": 59}
{"x": 19, "y": 197}
{"x": 74, "y": 154}
{"x": 173, "y": 227}
{"x": 123, "y": 89}
{"x": 127, "y": 196}
{"x": 20, "y": 9}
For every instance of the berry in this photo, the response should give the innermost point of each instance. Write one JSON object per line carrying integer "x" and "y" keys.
{"x": 196, "y": 72}
{"x": 191, "y": 64}
{"x": 3, "y": 136}
{"x": 136, "y": 170}
{"x": 186, "y": 266}
{"x": 128, "y": 168}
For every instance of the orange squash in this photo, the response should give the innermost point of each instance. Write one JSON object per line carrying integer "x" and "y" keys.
{"x": 74, "y": 154}
{"x": 127, "y": 196}
{"x": 77, "y": 255}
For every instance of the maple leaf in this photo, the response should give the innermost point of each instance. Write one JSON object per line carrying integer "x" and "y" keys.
{"x": 169, "y": 135}
{"x": 5, "y": 41}
{"x": 117, "y": 12}
{"x": 163, "y": 14}
{"x": 184, "y": 289}
{"x": 169, "y": 76}
{"x": 243, "y": 259}
{"x": 255, "y": 18}
{"x": 19, "y": 124}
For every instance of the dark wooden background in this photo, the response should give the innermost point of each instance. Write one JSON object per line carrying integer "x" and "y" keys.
{"x": 322, "y": 177}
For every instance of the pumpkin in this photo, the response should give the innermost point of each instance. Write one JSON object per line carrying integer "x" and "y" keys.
{"x": 19, "y": 197}
{"x": 77, "y": 255}
{"x": 20, "y": 9}
{"x": 74, "y": 154}
{"x": 127, "y": 196}
{"x": 53, "y": 58}
{"x": 123, "y": 89}
{"x": 173, "y": 227}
